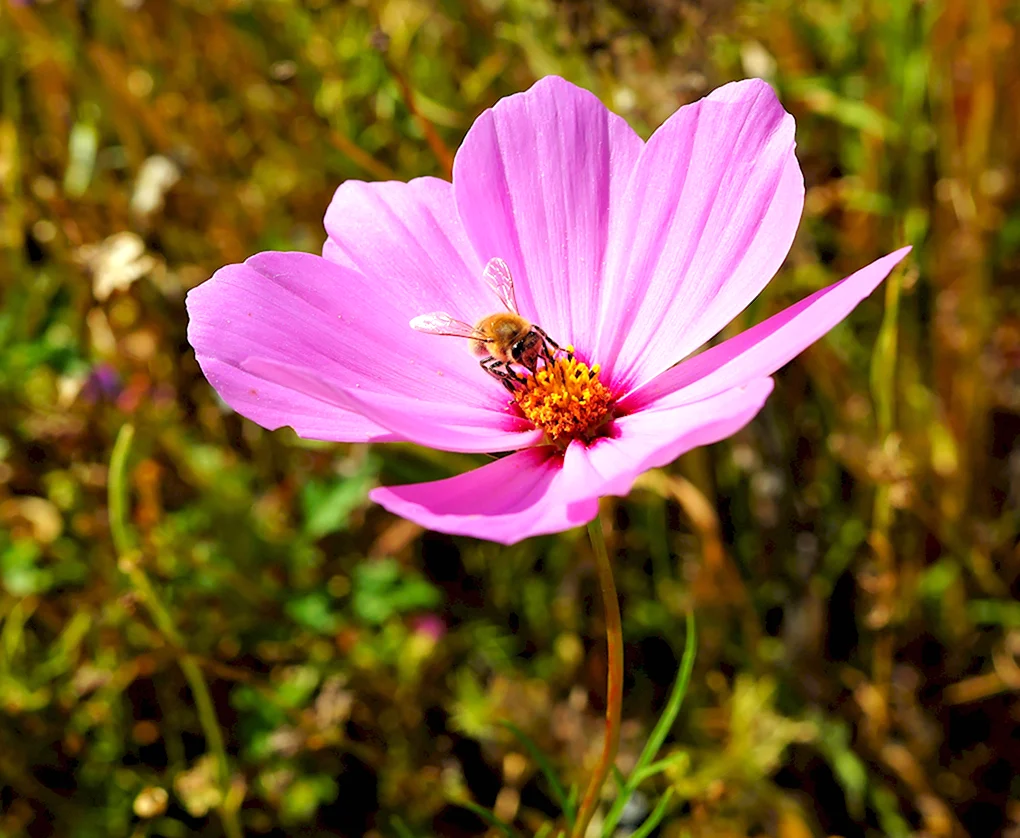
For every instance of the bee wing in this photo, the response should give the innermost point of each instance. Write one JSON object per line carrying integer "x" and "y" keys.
{"x": 441, "y": 323}
{"x": 497, "y": 277}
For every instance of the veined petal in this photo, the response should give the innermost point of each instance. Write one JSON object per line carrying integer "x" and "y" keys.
{"x": 302, "y": 311}
{"x": 540, "y": 491}
{"x": 408, "y": 239}
{"x": 663, "y": 430}
{"x": 706, "y": 220}
{"x": 763, "y": 349}
{"x": 409, "y": 418}
{"x": 272, "y": 404}
{"x": 536, "y": 181}
{"x": 521, "y": 495}
{"x": 429, "y": 424}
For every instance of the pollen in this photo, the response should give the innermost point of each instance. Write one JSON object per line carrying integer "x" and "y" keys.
{"x": 565, "y": 399}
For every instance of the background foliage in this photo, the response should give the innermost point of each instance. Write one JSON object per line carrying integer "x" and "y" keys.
{"x": 851, "y": 556}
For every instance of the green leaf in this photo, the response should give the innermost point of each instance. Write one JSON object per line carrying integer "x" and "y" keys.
{"x": 382, "y": 588}
{"x": 304, "y": 796}
{"x": 327, "y": 505}
{"x": 313, "y": 612}
{"x": 19, "y": 572}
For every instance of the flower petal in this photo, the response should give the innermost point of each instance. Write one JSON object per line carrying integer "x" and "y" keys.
{"x": 428, "y": 424}
{"x": 273, "y": 404}
{"x": 541, "y": 491}
{"x": 663, "y": 430}
{"x": 408, "y": 419}
{"x": 763, "y": 349}
{"x": 536, "y": 180}
{"x": 409, "y": 238}
{"x": 524, "y": 494}
{"x": 224, "y": 330}
{"x": 707, "y": 219}
{"x": 302, "y": 311}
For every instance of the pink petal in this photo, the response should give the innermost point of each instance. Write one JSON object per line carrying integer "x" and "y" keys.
{"x": 763, "y": 349}
{"x": 707, "y": 219}
{"x": 271, "y": 405}
{"x": 541, "y": 491}
{"x": 663, "y": 430}
{"x": 223, "y": 329}
{"x": 524, "y": 494}
{"x": 301, "y": 311}
{"x": 428, "y": 424}
{"x": 408, "y": 238}
{"x": 536, "y": 180}
{"x": 412, "y": 420}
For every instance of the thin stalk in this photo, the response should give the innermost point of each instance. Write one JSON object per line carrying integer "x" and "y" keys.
{"x": 442, "y": 153}
{"x": 614, "y": 681}
{"x": 128, "y": 560}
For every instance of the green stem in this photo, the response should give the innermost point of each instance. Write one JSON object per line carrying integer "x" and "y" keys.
{"x": 614, "y": 682}
{"x": 128, "y": 560}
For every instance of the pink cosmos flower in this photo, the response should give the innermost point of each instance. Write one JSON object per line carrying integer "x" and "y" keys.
{"x": 635, "y": 253}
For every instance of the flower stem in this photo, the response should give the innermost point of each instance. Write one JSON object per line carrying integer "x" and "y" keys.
{"x": 614, "y": 681}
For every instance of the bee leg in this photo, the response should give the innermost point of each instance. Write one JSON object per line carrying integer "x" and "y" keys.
{"x": 492, "y": 366}
{"x": 513, "y": 375}
{"x": 506, "y": 375}
{"x": 549, "y": 347}
{"x": 546, "y": 343}
{"x": 499, "y": 370}
{"x": 546, "y": 337}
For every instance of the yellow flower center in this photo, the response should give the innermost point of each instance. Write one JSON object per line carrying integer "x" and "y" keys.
{"x": 565, "y": 399}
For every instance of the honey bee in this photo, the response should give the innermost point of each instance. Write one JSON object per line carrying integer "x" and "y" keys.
{"x": 503, "y": 338}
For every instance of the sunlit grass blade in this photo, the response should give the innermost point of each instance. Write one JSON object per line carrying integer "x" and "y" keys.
{"x": 654, "y": 819}
{"x": 572, "y": 797}
{"x": 661, "y": 729}
{"x": 128, "y": 560}
{"x": 556, "y": 787}
{"x": 489, "y": 818}
{"x": 117, "y": 490}
{"x": 619, "y": 779}
{"x": 400, "y": 828}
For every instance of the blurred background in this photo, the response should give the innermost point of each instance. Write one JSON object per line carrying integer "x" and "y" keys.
{"x": 243, "y": 644}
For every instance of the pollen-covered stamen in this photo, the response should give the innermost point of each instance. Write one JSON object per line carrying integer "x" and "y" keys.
{"x": 565, "y": 399}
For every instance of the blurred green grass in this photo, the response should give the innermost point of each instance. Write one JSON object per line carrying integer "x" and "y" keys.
{"x": 851, "y": 556}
